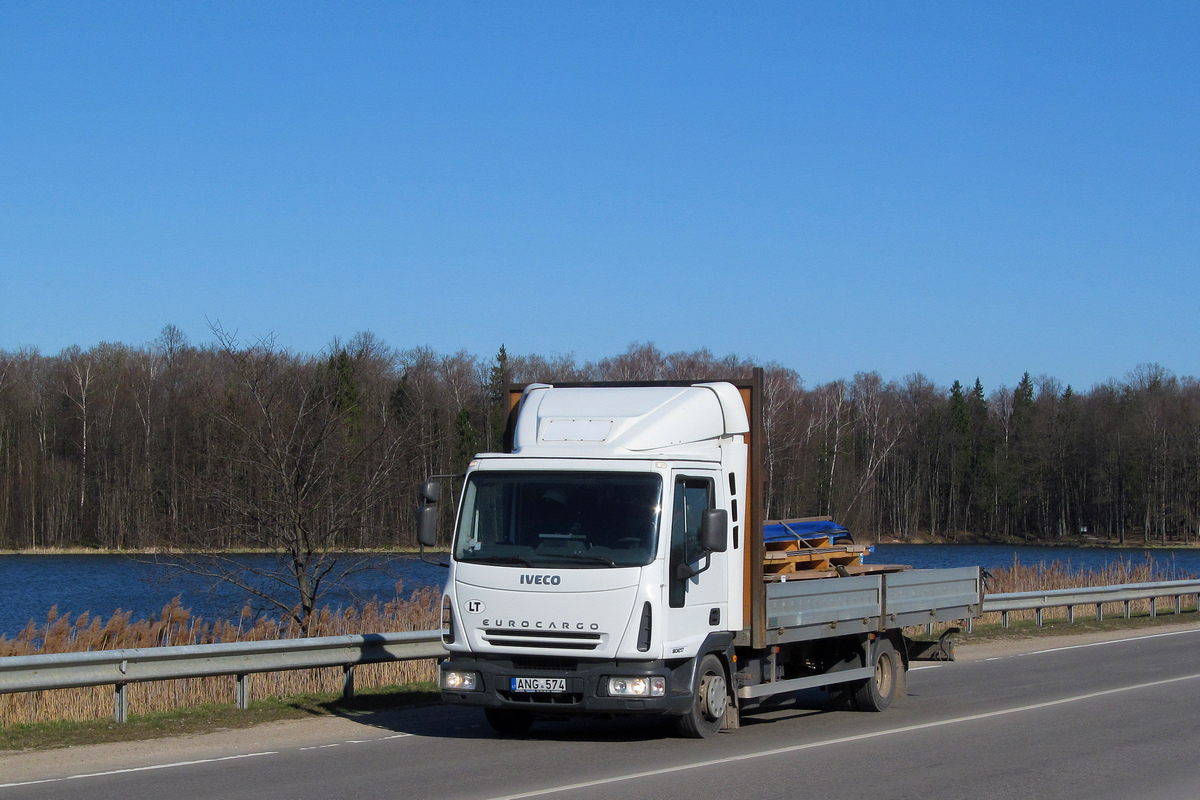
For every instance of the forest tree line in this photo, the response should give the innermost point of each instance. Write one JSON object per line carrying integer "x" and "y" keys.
{"x": 224, "y": 445}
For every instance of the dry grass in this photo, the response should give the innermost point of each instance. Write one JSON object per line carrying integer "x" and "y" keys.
{"x": 1042, "y": 577}
{"x": 177, "y": 626}
{"x": 1057, "y": 575}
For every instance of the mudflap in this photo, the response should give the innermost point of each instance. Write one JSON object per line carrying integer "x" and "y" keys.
{"x": 733, "y": 716}
{"x": 940, "y": 650}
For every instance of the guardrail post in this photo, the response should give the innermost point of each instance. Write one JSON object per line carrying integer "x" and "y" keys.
{"x": 1178, "y": 604}
{"x": 1127, "y": 609}
{"x": 1037, "y": 614}
{"x": 120, "y": 703}
{"x": 1070, "y": 614}
{"x": 1003, "y": 619}
{"x": 970, "y": 625}
{"x": 1154, "y": 606}
{"x": 243, "y": 691}
{"x": 1099, "y": 612}
{"x": 347, "y": 681}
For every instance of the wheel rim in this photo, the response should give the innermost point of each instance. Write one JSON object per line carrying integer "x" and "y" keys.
{"x": 716, "y": 697}
{"x": 883, "y": 676}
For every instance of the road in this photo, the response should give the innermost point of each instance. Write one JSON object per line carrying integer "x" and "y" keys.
{"x": 1116, "y": 719}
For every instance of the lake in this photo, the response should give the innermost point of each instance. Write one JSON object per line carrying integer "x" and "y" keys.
{"x": 30, "y": 585}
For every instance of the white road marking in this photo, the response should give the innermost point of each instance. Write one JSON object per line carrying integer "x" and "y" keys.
{"x": 356, "y": 741}
{"x": 139, "y": 769}
{"x": 1110, "y": 641}
{"x": 199, "y": 761}
{"x": 841, "y": 740}
{"x": 924, "y": 666}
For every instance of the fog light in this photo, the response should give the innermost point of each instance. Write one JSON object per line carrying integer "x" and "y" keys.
{"x": 454, "y": 680}
{"x": 654, "y": 686}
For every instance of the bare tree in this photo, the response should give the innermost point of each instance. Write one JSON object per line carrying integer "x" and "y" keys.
{"x": 301, "y": 468}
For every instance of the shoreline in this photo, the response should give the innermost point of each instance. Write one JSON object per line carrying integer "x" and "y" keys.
{"x": 1052, "y": 544}
{"x": 157, "y": 551}
{"x": 966, "y": 541}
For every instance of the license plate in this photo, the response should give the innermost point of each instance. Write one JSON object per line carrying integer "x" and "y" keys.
{"x": 539, "y": 684}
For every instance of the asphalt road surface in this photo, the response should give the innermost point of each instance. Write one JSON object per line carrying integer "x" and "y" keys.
{"x": 1117, "y": 719}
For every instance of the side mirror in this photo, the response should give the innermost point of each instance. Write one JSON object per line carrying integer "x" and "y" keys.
{"x": 427, "y": 513}
{"x": 427, "y": 519}
{"x": 714, "y": 530}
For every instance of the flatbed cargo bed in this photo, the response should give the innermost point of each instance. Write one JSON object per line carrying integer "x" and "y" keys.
{"x": 799, "y": 610}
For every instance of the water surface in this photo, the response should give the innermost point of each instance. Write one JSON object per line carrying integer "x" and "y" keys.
{"x": 30, "y": 585}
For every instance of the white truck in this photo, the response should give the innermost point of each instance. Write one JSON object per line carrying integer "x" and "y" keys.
{"x": 611, "y": 563}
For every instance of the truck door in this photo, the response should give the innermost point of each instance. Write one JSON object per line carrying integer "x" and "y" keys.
{"x": 696, "y": 605}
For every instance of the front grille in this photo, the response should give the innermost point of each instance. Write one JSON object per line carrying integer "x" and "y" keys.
{"x": 541, "y": 639}
{"x": 561, "y": 699}
{"x": 545, "y": 664}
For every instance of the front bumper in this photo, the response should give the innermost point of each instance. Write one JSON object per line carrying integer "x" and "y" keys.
{"x": 586, "y": 686}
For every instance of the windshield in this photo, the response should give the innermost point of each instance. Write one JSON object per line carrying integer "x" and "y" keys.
{"x": 578, "y": 519}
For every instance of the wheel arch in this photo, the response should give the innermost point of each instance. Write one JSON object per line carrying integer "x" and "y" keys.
{"x": 719, "y": 644}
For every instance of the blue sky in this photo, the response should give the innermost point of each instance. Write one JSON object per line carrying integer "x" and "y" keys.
{"x": 958, "y": 189}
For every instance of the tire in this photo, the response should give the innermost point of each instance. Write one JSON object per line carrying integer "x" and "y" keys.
{"x": 508, "y": 722}
{"x": 877, "y": 693}
{"x": 841, "y": 697}
{"x": 710, "y": 700}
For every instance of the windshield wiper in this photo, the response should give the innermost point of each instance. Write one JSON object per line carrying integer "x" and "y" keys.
{"x": 522, "y": 560}
{"x": 587, "y": 559}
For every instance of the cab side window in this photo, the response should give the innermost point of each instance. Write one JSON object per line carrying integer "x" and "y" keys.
{"x": 693, "y": 496}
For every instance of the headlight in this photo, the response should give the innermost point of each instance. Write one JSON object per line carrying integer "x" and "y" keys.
{"x": 654, "y": 686}
{"x": 454, "y": 680}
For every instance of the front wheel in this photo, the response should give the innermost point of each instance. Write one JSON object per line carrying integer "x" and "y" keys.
{"x": 878, "y": 692}
{"x": 710, "y": 701}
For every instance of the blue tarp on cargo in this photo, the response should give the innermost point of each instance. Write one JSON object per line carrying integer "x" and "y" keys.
{"x": 792, "y": 531}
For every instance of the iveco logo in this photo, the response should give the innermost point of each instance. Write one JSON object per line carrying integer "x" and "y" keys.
{"x": 542, "y": 580}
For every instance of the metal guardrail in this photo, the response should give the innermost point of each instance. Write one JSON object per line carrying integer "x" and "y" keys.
{"x": 1098, "y": 596}
{"x": 118, "y": 668}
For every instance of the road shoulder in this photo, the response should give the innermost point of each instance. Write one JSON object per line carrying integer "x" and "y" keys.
{"x": 322, "y": 731}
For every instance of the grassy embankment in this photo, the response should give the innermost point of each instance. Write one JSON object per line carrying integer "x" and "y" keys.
{"x": 176, "y": 626}
{"x": 78, "y": 716}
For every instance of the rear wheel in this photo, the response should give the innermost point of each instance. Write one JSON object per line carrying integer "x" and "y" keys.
{"x": 710, "y": 701}
{"x": 878, "y": 692}
{"x": 508, "y": 722}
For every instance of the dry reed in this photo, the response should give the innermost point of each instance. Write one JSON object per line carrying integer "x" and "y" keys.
{"x": 1058, "y": 575}
{"x": 177, "y": 626}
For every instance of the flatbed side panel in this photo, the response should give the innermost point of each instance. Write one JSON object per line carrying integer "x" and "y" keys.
{"x": 920, "y": 596}
{"x": 799, "y": 604}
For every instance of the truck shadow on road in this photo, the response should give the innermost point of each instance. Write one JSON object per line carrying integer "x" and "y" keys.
{"x": 431, "y": 718}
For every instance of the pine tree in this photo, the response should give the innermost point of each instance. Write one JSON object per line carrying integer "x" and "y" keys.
{"x": 497, "y": 400}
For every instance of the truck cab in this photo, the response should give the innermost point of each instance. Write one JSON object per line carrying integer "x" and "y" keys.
{"x": 594, "y": 564}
